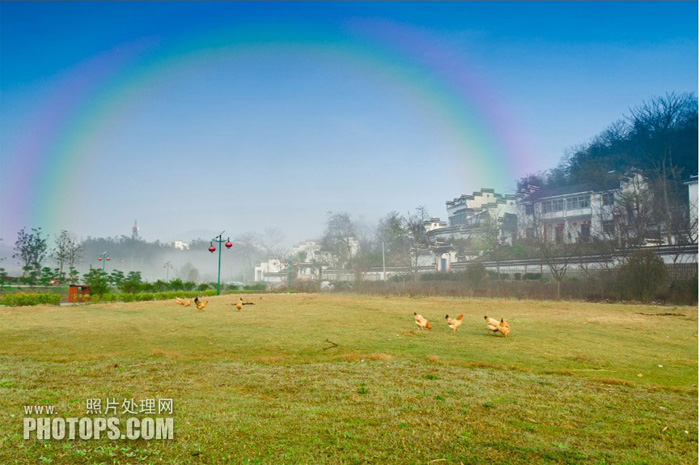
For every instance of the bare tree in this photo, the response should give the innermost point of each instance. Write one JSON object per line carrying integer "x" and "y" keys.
{"x": 415, "y": 226}
{"x": 557, "y": 257}
{"x": 488, "y": 238}
{"x": 656, "y": 125}
{"x": 66, "y": 252}
{"x": 273, "y": 241}
{"x": 338, "y": 238}
{"x": 393, "y": 234}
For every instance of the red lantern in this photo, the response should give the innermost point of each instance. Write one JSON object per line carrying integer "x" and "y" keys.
{"x": 212, "y": 249}
{"x": 99, "y": 259}
{"x": 228, "y": 245}
{"x": 108, "y": 259}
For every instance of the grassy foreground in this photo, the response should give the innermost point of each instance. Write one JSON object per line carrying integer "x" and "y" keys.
{"x": 573, "y": 382}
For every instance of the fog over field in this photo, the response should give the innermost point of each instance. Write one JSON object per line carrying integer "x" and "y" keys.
{"x": 240, "y": 116}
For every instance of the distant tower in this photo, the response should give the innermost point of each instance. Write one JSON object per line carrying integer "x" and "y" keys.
{"x": 135, "y": 231}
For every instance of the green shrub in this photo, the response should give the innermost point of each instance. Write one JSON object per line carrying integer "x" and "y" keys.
{"x": 23, "y": 300}
{"x": 127, "y": 297}
{"x": 476, "y": 273}
{"x": 256, "y": 287}
{"x": 642, "y": 276}
{"x": 110, "y": 297}
{"x": 98, "y": 282}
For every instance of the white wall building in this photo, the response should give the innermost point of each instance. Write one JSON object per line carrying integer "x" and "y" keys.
{"x": 433, "y": 224}
{"x": 271, "y": 271}
{"x": 180, "y": 245}
{"x": 467, "y": 213}
{"x": 575, "y": 213}
{"x": 693, "y": 205}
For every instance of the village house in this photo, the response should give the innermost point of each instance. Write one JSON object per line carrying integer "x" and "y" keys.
{"x": 577, "y": 213}
{"x": 467, "y": 215}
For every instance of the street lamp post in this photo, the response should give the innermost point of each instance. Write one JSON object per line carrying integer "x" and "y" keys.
{"x": 168, "y": 266}
{"x": 218, "y": 239}
{"x": 104, "y": 259}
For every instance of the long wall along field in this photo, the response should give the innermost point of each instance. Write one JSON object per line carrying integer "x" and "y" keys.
{"x": 309, "y": 378}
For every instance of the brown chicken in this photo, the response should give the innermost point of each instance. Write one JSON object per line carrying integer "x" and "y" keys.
{"x": 421, "y": 322}
{"x": 504, "y": 327}
{"x": 200, "y": 304}
{"x": 454, "y": 323}
{"x": 240, "y": 303}
{"x": 497, "y": 326}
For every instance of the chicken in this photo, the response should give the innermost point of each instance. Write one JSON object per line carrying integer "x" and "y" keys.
{"x": 179, "y": 300}
{"x": 504, "y": 327}
{"x": 240, "y": 303}
{"x": 491, "y": 324}
{"x": 422, "y": 322}
{"x": 187, "y": 302}
{"x": 200, "y": 304}
{"x": 454, "y": 323}
{"x": 497, "y": 326}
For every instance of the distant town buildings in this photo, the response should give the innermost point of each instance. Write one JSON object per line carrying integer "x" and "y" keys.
{"x": 468, "y": 215}
{"x": 567, "y": 214}
{"x": 180, "y": 245}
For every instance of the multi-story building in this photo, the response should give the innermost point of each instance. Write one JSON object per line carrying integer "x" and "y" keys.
{"x": 467, "y": 215}
{"x": 433, "y": 224}
{"x": 579, "y": 213}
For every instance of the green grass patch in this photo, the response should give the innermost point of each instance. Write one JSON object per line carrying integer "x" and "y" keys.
{"x": 264, "y": 385}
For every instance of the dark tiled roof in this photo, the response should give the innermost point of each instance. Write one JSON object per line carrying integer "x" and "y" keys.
{"x": 574, "y": 189}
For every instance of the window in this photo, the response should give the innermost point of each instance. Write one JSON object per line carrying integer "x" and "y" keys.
{"x": 576, "y": 203}
{"x": 529, "y": 209}
{"x": 608, "y": 198}
{"x": 549, "y": 206}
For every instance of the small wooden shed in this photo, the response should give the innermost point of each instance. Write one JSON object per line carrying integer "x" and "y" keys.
{"x": 78, "y": 293}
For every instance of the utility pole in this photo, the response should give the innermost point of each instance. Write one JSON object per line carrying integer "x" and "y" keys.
{"x": 383, "y": 264}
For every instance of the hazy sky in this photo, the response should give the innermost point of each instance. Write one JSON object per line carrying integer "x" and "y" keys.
{"x": 199, "y": 116}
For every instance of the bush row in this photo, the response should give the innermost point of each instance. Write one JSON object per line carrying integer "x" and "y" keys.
{"x": 21, "y": 300}
{"x": 147, "y": 296}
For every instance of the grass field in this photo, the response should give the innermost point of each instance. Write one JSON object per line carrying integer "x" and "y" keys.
{"x": 572, "y": 383}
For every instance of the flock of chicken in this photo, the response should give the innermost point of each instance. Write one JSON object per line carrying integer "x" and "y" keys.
{"x": 203, "y": 303}
{"x": 199, "y": 303}
{"x": 492, "y": 325}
